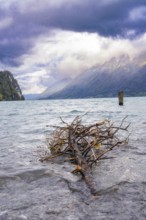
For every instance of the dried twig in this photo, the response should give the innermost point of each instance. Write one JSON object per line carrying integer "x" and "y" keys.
{"x": 85, "y": 145}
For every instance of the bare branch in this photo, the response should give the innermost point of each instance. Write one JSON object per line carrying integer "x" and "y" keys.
{"x": 85, "y": 145}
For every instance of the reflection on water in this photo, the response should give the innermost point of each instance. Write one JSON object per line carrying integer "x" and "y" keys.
{"x": 32, "y": 190}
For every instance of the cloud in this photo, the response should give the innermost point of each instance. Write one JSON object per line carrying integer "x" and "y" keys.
{"x": 60, "y": 38}
{"x": 33, "y": 82}
{"x": 23, "y": 21}
{"x": 5, "y": 23}
{"x": 107, "y": 18}
{"x": 138, "y": 14}
{"x": 65, "y": 54}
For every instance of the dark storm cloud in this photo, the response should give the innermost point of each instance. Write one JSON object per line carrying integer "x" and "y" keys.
{"x": 109, "y": 18}
{"x": 17, "y": 38}
{"x": 12, "y": 49}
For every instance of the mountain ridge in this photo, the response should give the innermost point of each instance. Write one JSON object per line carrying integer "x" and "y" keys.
{"x": 102, "y": 82}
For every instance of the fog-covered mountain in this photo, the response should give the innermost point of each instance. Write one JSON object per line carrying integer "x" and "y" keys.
{"x": 55, "y": 88}
{"x": 105, "y": 81}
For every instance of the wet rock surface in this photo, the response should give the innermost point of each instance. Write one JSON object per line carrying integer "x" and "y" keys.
{"x": 52, "y": 192}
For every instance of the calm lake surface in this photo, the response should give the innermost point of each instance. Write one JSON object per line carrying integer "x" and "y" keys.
{"x": 33, "y": 190}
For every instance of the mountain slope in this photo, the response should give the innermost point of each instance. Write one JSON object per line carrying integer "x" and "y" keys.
{"x": 9, "y": 88}
{"x": 54, "y": 88}
{"x": 98, "y": 82}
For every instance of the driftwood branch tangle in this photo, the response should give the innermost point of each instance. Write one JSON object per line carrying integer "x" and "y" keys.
{"x": 85, "y": 145}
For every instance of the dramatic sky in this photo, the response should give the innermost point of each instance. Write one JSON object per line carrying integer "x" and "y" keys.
{"x": 43, "y": 41}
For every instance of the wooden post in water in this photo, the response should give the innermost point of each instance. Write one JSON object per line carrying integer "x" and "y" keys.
{"x": 121, "y": 97}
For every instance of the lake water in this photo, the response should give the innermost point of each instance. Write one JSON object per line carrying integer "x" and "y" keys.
{"x": 33, "y": 190}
